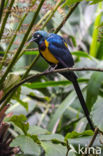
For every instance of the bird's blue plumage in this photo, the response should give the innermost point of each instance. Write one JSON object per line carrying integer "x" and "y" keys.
{"x": 58, "y": 48}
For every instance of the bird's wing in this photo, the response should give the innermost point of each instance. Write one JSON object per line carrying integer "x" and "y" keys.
{"x": 59, "y": 49}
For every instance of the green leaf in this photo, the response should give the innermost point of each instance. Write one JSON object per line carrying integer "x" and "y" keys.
{"x": 94, "y": 44}
{"x": 17, "y": 93}
{"x": 25, "y": 53}
{"x": 37, "y": 85}
{"x": 85, "y": 141}
{"x": 74, "y": 134}
{"x": 27, "y": 145}
{"x": 95, "y": 1}
{"x": 59, "y": 112}
{"x": 93, "y": 88}
{"x": 53, "y": 149}
{"x": 19, "y": 120}
{"x": 53, "y": 137}
{"x": 81, "y": 54}
{"x": 70, "y": 2}
{"x": 31, "y": 52}
{"x": 81, "y": 125}
{"x": 36, "y": 130}
{"x": 24, "y": 104}
{"x": 2, "y": 52}
{"x": 97, "y": 113}
{"x": 46, "y": 84}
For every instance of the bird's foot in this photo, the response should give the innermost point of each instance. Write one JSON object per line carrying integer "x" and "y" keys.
{"x": 52, "y": 68}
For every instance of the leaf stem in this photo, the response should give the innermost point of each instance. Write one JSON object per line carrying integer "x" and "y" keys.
{"x": 1, "y": 8}
{"x": 5, "y": 18}
{"x": 13, "y": 38}
{"x": 66, "y": 18}
{"x": 94, "y": 44}
{"x": 52, "y": 13}
{"x": 13, "y": 61}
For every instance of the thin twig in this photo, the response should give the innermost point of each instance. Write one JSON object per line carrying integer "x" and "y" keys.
{"x": 52, "y": 13}
{"x": 34, "y": 78}
{"x": 66, "y": 18}
{"x": 93, "y": 139}
{"x": 68, "y": 148}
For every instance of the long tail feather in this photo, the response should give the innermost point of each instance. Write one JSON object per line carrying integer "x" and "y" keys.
{"x": 72, "y": 77}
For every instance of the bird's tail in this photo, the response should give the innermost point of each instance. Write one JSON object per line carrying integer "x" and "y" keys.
{"x": 72, "y": 77}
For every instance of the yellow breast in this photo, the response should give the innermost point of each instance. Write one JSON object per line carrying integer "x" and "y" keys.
{"x": 48, "y": 55}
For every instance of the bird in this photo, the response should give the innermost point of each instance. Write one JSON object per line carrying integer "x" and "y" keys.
{"x": 54, "y": 49}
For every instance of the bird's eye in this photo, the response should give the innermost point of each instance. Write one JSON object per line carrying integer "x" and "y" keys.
{"x": 38, "y": 35}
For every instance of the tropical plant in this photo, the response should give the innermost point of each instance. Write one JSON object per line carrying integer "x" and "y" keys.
{"x": 45, "y": 116}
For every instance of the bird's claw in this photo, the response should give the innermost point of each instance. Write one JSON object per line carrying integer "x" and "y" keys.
{"x": 52, "y": 68}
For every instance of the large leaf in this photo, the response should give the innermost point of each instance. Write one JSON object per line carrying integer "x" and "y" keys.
{"x": 36, "y": 85}
{"x": 81, "y": 54}
{"x": 27, "y": 145}
{"x": 74, "y": 134}
{"x": 81, "y": 125}
{"x": 23, "y": 103}
{"x": 59, "y": 112}
{"x": 19, "y": 120}
{"x": 95, "y": 1}
{"x": 97, "y": 113}
{"x": 85, "y": 141}
{"x": 93, "y": 88}
{"x": 36, "y": 130}
{"x": 54, "y": 149}
{"x": 70, "y": 2}
{"x": 53, "y": 137}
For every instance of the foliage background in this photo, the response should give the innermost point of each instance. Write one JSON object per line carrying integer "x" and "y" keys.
{"x": 45, "y": 115}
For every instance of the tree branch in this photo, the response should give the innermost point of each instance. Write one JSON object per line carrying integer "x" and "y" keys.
{"x": 34, "y": 77}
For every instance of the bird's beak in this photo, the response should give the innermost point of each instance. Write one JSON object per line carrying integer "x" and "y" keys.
{"x": 32, "y": 39}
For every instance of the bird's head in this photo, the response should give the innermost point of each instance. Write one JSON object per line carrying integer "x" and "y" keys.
{"x": 39, "y": 36}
